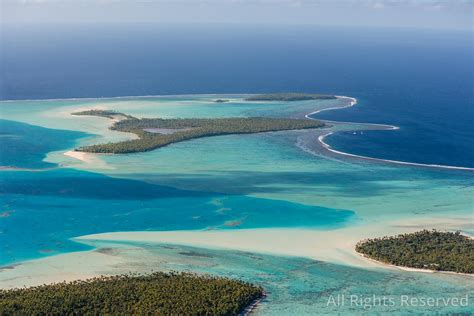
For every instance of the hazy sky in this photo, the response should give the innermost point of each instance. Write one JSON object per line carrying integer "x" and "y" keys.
{"x": 443, "y": 14}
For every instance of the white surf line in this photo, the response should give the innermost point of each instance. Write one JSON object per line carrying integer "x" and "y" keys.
{"x": 389, "y": 127}
{"x": 352, "y": 103}
{"x": 328, "y": 147}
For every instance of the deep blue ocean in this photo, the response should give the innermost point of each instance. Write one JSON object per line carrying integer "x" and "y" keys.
{"x": 419, "y": 80}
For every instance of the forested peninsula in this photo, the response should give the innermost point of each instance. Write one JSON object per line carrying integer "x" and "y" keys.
{"x": 156, "y": 132}
{"x": 431, "y": 250}
{"x": 290, "y": 97}
{"x": 155, "y": 294}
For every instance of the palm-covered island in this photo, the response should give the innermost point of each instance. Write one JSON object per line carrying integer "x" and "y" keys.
{"x": 156, "y": 132}
{"x": 155, "y": 294}
{"x": 291, "y": 96}
{"x": 104, "y": 113}
{"x": 432, "y": 250}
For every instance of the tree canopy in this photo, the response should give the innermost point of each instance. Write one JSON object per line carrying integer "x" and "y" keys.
{"x": 186, "y": 129}
{"x": 155, "y": 294}
{"x": 433, "y": 250}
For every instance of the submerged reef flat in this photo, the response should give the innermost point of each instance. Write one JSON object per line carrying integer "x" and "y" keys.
{"x": 290, "y": 97}
{"x": 186, "y": 129}
{"x": 157, "y": 293}
{"x": 431, "y": 250}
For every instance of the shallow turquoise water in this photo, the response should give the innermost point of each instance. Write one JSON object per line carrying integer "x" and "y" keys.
{"x": 45, "y": 209}
{"x": 228, "y": 182}
{"x": 299, "y": 286}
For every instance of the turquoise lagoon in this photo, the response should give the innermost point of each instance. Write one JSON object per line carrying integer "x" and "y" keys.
{"x": 271, "y": 180}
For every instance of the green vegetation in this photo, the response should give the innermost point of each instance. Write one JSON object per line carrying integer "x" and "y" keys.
{"x": 290, "y": 97}
{"x": 190, "y": 129}
{"x": 103, "y": 113}
{"x": 433, "y": 250}
{"x": 155, "y": 294}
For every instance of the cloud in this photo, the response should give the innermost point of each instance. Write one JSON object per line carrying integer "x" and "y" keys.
{"x": 406, "y": 13}
{"x": 378, "y": 5}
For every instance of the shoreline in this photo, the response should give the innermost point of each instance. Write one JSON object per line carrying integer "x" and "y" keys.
{"x": 410, "y": 269}
{"x": 250, "y": 309}
{"x": 386, "y": 127}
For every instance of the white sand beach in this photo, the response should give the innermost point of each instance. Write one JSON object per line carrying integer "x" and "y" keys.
{"x": 335, "y": 246}
{"x": 92, "y": 160}
{"x": 63, "y": 267}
